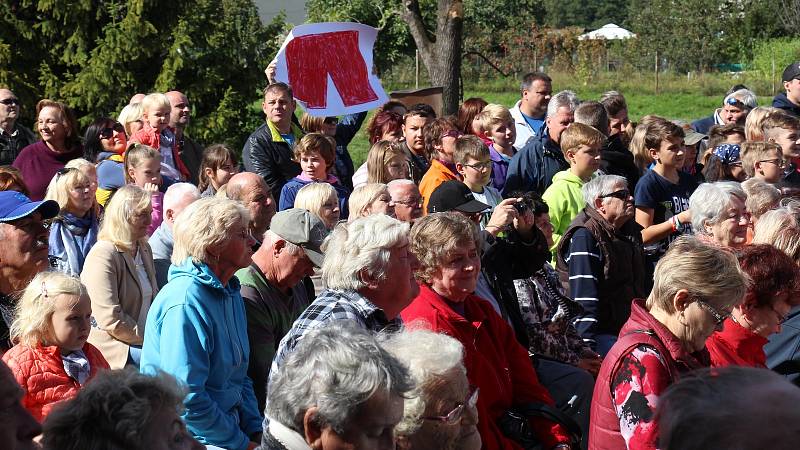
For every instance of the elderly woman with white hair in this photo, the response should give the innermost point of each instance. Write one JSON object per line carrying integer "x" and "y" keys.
{"x": 719, "y": 214}
{"x": 370, "y": 198}
{"x": 338, "y": 390}
{"x": 440, "y": 412}
{"x": 197, "y": 329}
{"x": 780, "y": 228}
{"x": 368, "y": 272}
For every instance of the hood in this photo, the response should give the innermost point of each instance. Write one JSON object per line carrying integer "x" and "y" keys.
{"x": 201, "y": 274}
{"x": 569, "y": 177}
{"x": 783, "y": 102}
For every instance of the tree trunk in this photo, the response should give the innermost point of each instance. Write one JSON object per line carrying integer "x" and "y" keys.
{"x": 440, "y": 53}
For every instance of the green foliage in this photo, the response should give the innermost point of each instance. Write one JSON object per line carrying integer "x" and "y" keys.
{"x": 781, "y": 52}
{"x": 95, "y": 54}
{"x": 584, "y": 13}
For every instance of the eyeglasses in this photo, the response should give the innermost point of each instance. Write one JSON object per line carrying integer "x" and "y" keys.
{"x": 10, "y": 101}
{"x": 719, "y": 316}
{"x": 777, "y": 161}
{"x": 736, "y": 164}
{"x": 107, "y": 132}
{"x": 455, "y": 415}
{"x": 452, "y": 134}
{"x": 417, "y": 203}
{"x": 480, "y": 167}
{"x": 622, "y": 194}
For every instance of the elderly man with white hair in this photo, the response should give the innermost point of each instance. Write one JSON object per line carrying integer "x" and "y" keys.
{"x": 719, "y": 214}
{"x": 369, "y": 274}
{"x": 339, "y": 389}
{"x": 735, "y": 108}
{"x": 177, "y": 197}
{"x": 533, "y": 167}
{"x": 600, "y": 260}
{"x": 276, "y": 287}
{"x": 407, "y": 200}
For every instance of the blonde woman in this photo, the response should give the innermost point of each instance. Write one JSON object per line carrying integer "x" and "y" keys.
{"x": 74, "y": 231}
{"x": 386, "y": 161}
{"x": 371, "y": 198}
{"x": 131, "y": 118}
{"x": 780, "y": 228}
{"x": 320, "y": 199}
{"x": 120, "y": 277}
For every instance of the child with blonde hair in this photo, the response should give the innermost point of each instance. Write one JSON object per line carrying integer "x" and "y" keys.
{"x": 316, "y": 154}
{"x": 156, "y": 133}
{"x": 762, "y": 160}
{"x": 498, "y": 126}
{"x": 142, "y": 168}
{"x": 51, "y": 360}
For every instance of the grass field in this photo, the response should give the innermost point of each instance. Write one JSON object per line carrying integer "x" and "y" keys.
{"x": 679, "y": 97}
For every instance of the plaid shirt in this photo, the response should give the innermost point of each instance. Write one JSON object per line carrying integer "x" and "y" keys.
{"x": 333, "y": 305}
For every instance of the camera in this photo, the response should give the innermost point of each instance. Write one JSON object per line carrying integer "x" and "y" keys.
{"x": 521, "y": 207}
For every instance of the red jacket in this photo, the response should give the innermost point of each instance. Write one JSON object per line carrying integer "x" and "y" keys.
{"x": 150, "y": 136}
{"x": 495, "y": 362}
{"x": 640, "y": 366}
{"x": 40, "y": 373}
{"x": 736, "y": 346}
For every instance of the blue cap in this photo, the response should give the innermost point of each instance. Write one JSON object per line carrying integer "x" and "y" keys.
{"x": 15, "y": 205}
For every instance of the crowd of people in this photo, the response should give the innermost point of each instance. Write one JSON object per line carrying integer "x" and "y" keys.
{"x": 546, "y": 276}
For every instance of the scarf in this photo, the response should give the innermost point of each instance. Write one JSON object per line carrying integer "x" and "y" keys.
{"x": 71, "y": 238}
{"x": 76, "y": 364}
{"x": 727, "y": 153}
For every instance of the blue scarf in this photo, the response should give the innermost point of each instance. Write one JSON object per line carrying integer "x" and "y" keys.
{"x": 70, "y": 239}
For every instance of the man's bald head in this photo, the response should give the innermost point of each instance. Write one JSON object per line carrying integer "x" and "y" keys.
{"x": 181, "y": 110}
{"x": 252, "y": 191}
{"x": 137, "y": 98}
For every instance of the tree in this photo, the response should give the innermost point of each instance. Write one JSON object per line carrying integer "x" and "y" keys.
{"x": 94, "y": 54}
{"x": 441, "y": 52}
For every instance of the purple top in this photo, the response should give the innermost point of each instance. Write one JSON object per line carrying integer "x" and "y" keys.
{"x": 38, "y": 164}
{"x": 499, "y": 168}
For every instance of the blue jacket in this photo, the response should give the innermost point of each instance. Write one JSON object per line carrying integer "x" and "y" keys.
{"x": 533, "y": 167}
{"x": 703, "y": 125}
{"x": 197, "y": 332}
{"x": 289, "y": 193}
{"x": 161, "y": 243}
{"x": 782, "y": 102}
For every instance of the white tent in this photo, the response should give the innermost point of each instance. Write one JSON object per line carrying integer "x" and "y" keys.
{"x": 610, "y": 31}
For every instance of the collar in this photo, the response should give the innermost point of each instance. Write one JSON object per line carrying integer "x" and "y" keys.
{"x": 444, "y": 167}
{"x": 743, "y": 342}
{"x": 276, "y": 135}
{"x": 473, "y": 313}
{"x": 641, "y": 319}
{"x": 286, "y": 436}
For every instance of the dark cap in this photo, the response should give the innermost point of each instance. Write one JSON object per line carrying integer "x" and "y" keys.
{"x": 791, "y": 71}
{"x": 15, "y": 205}
{"x": 454, "y": 195}
{"x": 302, "y": 229}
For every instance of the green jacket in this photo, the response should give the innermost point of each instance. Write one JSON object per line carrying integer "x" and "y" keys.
{"x": 270, "y": 315}
{"x": 565, "y": 200}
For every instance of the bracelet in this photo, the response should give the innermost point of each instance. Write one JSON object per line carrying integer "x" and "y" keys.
{"x": 562, "y": 446}
{"x": 675, "y": 223}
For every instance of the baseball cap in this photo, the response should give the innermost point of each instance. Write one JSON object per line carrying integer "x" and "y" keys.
{"x": 791, "y": 71}
{"x": 15, "y": 205}
{"x": 454, "y": 195}
{"x": 301, "y": 228}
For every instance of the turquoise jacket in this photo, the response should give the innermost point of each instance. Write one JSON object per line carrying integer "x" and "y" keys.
{"x": 565, "y": 199}
{"x": 197, "y": 332}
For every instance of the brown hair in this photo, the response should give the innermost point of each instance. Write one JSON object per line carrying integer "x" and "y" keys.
{"x": 279, "y": 87}
{"x": 614, "y": 102}
{"x": 214, "y": 156}
{"x": 68, "y": 120}
{"x": 320, "y": 143}
{"x": 467, "y": 112}
{"x": 779, "y": 119}
{"x": 11, "y": 180}
{"x": 434, "y": 131}
{"x": 469, "y": 146}
{"x": 137, "y": 154}
{"x": 719, "y": 133}
{"x": 382, "y": 123}
{"x": 753, "y": 152}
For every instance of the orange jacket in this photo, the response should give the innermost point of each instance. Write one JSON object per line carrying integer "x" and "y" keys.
{"x": 40, "y": 372}
{"x": 150, "y": 136}
{"x": 436, "y": 175}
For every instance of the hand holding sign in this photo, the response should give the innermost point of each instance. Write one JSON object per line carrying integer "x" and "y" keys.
{"x": 329, "y": 66}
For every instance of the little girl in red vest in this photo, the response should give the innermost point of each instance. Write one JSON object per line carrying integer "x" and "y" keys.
{"x": 51, "y": 360}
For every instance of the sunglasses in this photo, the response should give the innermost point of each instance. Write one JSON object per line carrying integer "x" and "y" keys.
{"x": 10, "y": 101}
{"x": 622, "y": 194}
{"x": 107, "y": 132}
{"x": 453, "y": 134}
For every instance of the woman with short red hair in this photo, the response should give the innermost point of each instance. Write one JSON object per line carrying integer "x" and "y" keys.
{"x": 774, "y": 289}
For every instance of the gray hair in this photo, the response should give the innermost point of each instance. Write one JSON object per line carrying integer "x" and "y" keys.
{"x": 601, "y": 185}
{"x": 361, "y": 247}
{"x": 564, "y": 99}
{"x": 593, "y": 114}
{"x": 178, "y": 192}
{"x": 271, "y": 238}
{"x": 400, "y": 182}
{"x": 113, "y": 412}
{"x": 781, "y": 229}
{"x": 336, "y": 368}
{"x": 430, "y": 357}
{"x": 746, "y": 96}
{"x": 710, "y": 201}
{"x": 205, "y": 224}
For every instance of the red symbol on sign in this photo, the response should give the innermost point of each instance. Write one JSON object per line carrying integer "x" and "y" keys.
{"x": 311, "y": 58}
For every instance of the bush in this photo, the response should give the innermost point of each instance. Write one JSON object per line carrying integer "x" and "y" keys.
{"x": 783, "y": 51}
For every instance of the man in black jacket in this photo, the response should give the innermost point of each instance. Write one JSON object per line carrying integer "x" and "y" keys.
{"x": 789, "y": 101}
{"x": 268, "y": 151}
{"x": 13, "y": 136}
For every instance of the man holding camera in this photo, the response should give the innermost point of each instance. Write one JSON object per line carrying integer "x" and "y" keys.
{"x": 512, "y": 247}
